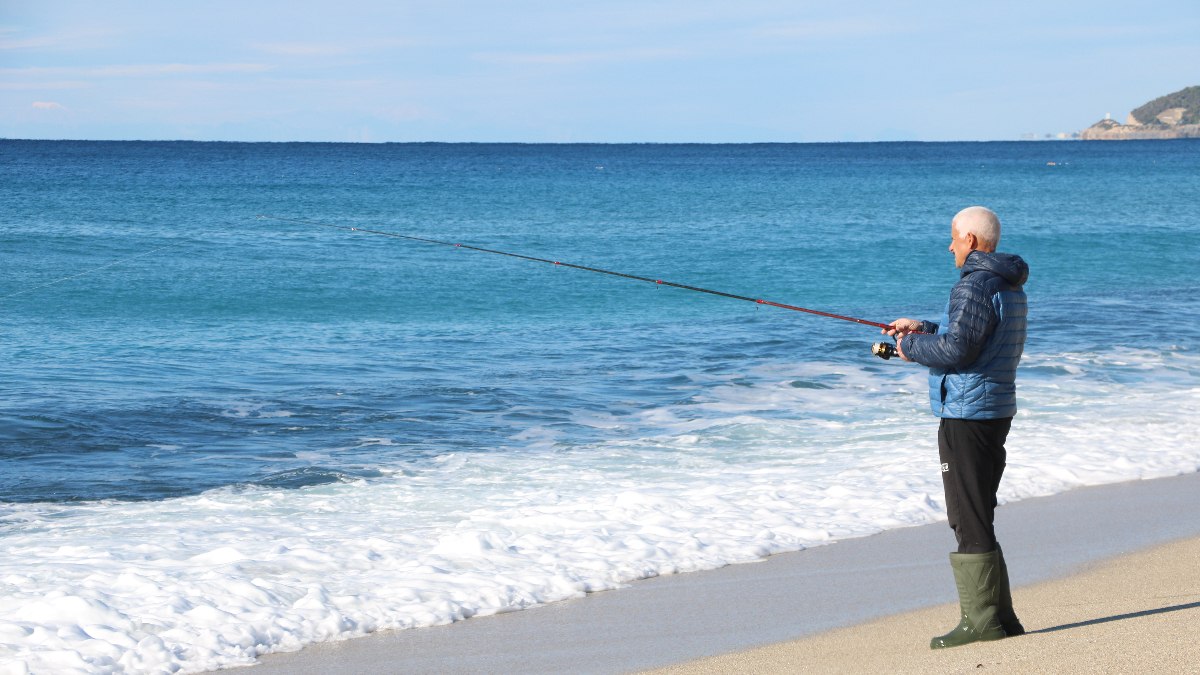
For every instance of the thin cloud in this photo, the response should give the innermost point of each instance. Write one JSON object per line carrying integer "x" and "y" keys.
{"x": 833, "y": 29}
{"x": 182, "y": 68}
{"x": 301, "y": 48}
{"x": 48, "y": 105}
{"x": 10, "y": 39}
{"x": 1099, "y": 32}
{"x": 8, "y": 42}
{"x": 139, "y": 70}
{"x": 328, "y": 48}
{"x": 577, "y": 58}
{"x": 30, "y": 86}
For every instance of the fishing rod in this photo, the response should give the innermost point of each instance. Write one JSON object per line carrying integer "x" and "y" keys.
{"x": 86, "y": 272}
{"x": 881, "y": 349}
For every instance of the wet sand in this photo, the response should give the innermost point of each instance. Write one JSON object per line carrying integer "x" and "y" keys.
{"x": 675, "y": 620}
{"x": 1138, "y": 613}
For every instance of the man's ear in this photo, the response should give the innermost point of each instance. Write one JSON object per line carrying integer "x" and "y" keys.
{"x": 973, "y": 241}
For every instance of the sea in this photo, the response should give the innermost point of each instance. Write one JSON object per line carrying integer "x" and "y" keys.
{"x": 236, "y": 419}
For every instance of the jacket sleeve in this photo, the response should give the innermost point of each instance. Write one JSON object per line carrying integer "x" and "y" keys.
{"x": 972, "y": 320}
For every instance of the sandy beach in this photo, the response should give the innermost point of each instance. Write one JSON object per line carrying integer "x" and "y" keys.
{"x": 1133, "y": 614}
{"x": 1104, "y": 579}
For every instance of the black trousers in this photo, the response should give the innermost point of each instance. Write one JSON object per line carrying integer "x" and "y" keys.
{"x": 972, "y": 454}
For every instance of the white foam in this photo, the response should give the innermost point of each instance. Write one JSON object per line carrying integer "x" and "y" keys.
{"x": 254, "y": 411}
{"x": 772, "y": 462}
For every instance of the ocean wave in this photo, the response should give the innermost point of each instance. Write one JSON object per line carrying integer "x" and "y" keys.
{"x": 746, "y": 466}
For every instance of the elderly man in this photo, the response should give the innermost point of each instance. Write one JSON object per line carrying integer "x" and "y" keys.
{"x": 972, "y": 358}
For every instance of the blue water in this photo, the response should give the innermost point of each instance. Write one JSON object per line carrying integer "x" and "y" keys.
{"x": 259, "y": 351}
{"x": 223, "y": 435}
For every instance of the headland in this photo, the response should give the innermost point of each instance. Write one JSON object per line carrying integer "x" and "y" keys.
{"x": 1175, "y": 115}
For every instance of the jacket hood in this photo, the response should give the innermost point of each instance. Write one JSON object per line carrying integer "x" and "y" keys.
{"x": 1012, "y": 267}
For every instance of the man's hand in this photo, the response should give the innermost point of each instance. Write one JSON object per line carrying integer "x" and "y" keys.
{"x": 901, "y": 327}
{"x": 898, "y": 329}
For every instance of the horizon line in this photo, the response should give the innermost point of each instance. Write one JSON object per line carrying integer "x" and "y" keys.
{"x": 192, "y": 140}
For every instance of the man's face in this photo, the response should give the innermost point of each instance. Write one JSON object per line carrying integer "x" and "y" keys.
{"x": 960, "y": 245}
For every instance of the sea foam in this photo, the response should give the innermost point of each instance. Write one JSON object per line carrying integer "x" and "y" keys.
{"x": 777, "y": 459}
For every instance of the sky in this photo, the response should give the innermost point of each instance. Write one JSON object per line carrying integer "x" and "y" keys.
{"x": 584, "y": 71}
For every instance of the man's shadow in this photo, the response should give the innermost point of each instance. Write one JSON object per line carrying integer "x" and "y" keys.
{"x": 1118, "y": 617}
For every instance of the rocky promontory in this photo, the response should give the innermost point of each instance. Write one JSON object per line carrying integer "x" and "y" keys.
{"x": 1175, "y": 115}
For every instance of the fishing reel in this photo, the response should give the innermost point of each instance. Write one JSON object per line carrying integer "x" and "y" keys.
{"x": 884, "y": 350}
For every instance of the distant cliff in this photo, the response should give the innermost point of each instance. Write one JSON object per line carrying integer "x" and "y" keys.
{"x": 1172, "y": 116}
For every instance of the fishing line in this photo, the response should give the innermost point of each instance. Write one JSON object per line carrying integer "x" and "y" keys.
{"x": 882, "y": 350}
{"x": 90, "y": 271}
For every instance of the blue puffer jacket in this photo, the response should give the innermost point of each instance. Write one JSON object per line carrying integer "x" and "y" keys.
{"x": 973, "y": 361}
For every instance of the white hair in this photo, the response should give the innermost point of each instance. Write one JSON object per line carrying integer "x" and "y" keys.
{"x": 979, "y": 221}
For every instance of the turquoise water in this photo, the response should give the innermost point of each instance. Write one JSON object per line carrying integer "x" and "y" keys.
{"x": 161, "y": 376}
{"x": 321, "y": 433}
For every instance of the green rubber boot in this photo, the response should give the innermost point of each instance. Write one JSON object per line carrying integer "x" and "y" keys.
{"x": 977, "y": 577}
{"x": 1008, "y": 618}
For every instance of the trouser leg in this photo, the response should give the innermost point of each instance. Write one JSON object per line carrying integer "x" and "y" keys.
{"x": 972, "y": 455}
{"x": 1005, "y": 613}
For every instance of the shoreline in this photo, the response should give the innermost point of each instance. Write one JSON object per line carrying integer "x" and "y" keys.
{"x": 1134, "y": 613}
{"x": 672, "y": 620}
